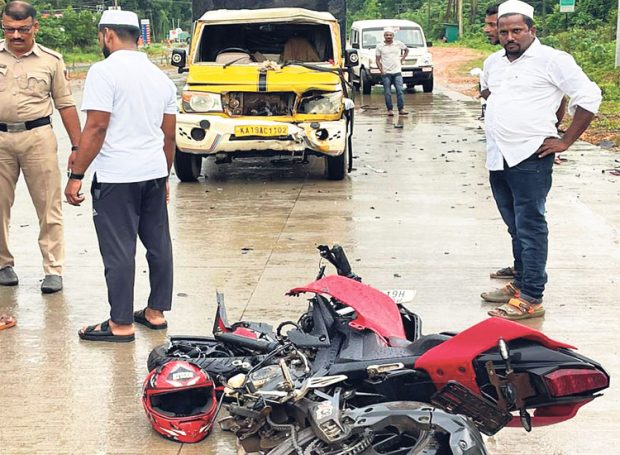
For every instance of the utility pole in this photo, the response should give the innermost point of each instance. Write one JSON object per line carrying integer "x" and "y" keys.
{"x": 543, "y": 19}
{"x": 428, "y": 20}
{"x": 618, "y": 38}
{"x": 460, "y": 9}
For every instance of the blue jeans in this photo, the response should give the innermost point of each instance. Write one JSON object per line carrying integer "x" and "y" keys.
{"x": 397, "y": 80}
{"x": 520, "y": 193}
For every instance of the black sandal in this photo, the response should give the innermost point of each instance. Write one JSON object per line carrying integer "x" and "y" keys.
{"x": 104, "y": 334}
{"x": 140, "y": 318}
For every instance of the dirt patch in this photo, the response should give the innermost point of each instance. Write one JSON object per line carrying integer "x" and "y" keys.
{"x": 452, "y": 66}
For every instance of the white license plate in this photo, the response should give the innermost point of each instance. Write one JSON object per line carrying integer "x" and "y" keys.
{"x": 407, "y": 73}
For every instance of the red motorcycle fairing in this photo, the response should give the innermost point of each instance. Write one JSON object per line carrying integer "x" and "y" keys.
{"x": 375, "y": 310}
{"x": 452, "y": 359}
{"x": 550, "y": 415}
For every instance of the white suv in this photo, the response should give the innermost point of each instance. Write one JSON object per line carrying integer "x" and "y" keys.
{"x": 418, "y": 67}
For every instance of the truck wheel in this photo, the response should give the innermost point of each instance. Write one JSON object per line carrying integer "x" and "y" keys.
{"x": 427, "y": 86}
{"x": 365, "y": 82}
{"x": 187, "y": 166}
{"x": 337, "y": 166}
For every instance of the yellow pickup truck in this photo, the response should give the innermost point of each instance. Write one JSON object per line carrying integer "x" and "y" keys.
{"x": 265, "y": 82}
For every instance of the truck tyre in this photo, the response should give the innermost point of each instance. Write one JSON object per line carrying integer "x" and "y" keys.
{"x": 338, "y": 166}
{"x": 365, "y": 82}
{"x": 427, "y": 86}
{"x": 187, "y": 166}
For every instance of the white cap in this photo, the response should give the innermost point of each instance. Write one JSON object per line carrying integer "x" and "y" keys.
{"x": 515, "y": 7}
{"x": 118, "y": 17}
{"x": 388, "y": 29}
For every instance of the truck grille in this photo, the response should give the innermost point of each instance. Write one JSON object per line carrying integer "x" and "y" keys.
{"x": 259, "y": 104}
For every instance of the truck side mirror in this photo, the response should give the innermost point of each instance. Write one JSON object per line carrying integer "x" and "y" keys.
{"x": 429, "y": 44}
{"x": 179, "y": 59}
{"x": 351, "y": 58}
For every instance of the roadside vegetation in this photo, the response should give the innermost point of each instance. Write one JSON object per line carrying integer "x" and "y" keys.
{"x": 588, "y": 34}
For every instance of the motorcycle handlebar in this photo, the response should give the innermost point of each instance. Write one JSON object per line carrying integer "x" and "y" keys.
{"x": 338, "y": 259}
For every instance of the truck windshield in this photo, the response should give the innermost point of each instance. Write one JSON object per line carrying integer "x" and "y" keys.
{"x": 254, "y": 43}
{"x": 411, "y": 36}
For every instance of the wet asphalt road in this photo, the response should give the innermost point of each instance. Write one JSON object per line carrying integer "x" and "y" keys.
{"x": 416, "y": 213}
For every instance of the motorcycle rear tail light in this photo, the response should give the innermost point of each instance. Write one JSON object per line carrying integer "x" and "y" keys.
{"x": 575, "y": 381}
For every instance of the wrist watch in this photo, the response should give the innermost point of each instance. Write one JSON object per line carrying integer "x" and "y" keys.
{"x": 73, "y": 176}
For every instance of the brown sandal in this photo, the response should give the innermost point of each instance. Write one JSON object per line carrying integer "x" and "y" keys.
{"x": 6, "y": 321}
{"x": 518, "y": 309}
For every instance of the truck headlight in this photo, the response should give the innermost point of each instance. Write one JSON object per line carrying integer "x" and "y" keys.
{"x": 201, "y": 102}
{"x": 320, "y": 103}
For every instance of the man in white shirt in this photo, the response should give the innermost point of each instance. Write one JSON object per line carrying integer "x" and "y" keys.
{"x": 524, "y": 85}
{"x": 390, "y": 57}
{"x": 129, "y": 139}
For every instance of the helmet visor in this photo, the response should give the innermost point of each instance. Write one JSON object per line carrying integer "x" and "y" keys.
{"x": 183, "y": 403}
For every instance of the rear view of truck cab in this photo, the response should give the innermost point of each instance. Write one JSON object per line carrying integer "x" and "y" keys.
{"x": 264, "y": 82}
{"x": 418, "y": 66}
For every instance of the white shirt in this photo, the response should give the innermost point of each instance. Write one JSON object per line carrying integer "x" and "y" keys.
{"x": 525, "y": 95}
{"x": 390, "y": 56}
{"x": 137, "y": 94}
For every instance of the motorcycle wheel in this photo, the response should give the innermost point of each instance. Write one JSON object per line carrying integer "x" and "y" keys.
{"x": 162, "y": 354}
{"x": 390, "y": 440}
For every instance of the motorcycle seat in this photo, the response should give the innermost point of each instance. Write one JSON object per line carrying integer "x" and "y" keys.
{"x": 421, "y": 345}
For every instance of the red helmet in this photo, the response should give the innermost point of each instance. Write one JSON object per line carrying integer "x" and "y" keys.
{"x": 179, "y": 400}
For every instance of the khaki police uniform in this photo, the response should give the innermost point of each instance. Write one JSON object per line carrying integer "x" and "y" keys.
{"x": 28, "y": 85}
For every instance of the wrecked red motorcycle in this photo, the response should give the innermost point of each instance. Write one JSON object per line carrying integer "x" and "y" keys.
{"x": 354, "y": 374}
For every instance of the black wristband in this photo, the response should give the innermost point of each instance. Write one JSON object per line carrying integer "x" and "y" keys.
{"x": 74, "y": 148}
{"x": 73, "y": 176}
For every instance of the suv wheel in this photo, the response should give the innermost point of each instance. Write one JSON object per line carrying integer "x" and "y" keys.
{"x": 365, "y": 83}
{"x": 427, "y": 86}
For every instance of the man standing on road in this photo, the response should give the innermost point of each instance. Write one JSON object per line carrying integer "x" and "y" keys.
{"x": 524, "y": 85}
{"x": 390, "y": 57}
{"x": 31, "y": 77}
{"x": 129, "y": 138}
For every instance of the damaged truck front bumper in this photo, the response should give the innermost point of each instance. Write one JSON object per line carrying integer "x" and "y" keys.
{"x": 207, "y": 135}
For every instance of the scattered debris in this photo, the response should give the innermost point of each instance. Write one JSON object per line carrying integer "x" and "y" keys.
{"x": 378, "y": 171}
{"x": 606, "y": 144}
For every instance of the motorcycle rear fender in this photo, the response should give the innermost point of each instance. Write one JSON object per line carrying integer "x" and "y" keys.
{"x": 453, "y": 359}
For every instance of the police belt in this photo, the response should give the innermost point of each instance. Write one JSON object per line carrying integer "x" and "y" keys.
{"x": 24, "y": 126}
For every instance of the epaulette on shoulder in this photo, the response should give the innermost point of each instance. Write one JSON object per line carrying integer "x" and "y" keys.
{"x": 58, "y": 55}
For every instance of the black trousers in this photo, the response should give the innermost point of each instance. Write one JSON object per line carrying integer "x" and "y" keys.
{"x": 121, "y": 213}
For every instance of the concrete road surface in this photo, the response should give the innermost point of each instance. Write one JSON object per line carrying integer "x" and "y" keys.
{"x": 416, "y": 213}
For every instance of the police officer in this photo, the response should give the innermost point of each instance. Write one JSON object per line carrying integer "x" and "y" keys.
{"x": 31, "y": 77}
{"x": 129, "y": 138}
